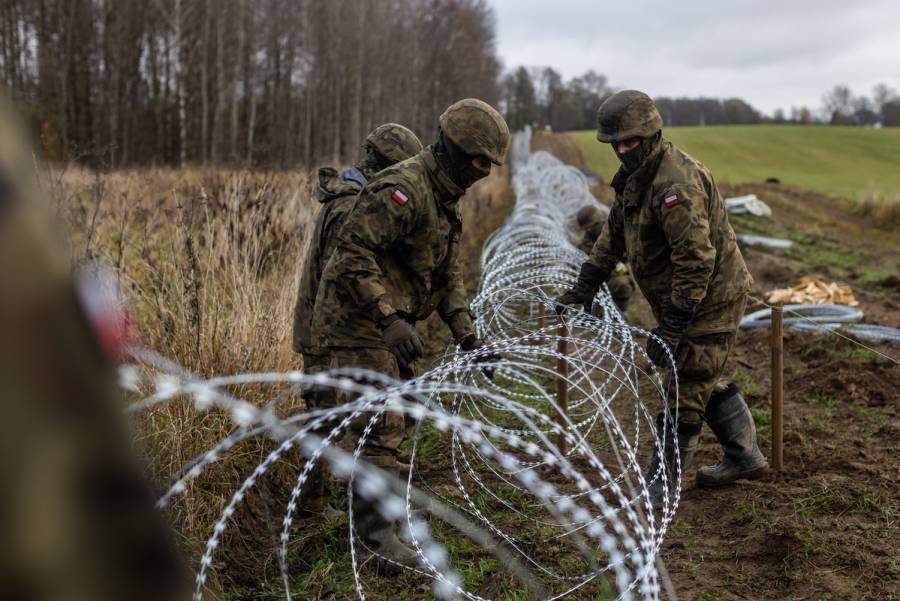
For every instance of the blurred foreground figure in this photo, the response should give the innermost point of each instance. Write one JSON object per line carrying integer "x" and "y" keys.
{"x": 670, "y": 221}
{"x": 590, "y": 220}
{"x": 78, "y": 521}
{"x": 396, "y": 262}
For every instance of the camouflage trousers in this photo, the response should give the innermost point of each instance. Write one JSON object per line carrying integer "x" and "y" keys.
{"x": 317, "y": 398}
{"x": 383, "y": 443}
{"x": 701, "y": 365}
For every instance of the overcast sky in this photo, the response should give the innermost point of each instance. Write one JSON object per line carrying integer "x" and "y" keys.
{"x": 772, "y": 54}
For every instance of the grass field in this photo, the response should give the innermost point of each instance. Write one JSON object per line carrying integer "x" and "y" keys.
{"x": 846, "y": 162}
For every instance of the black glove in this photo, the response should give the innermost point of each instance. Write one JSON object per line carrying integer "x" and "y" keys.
{"x": 671, "y": 328}
{"x": 401, "y": 338}
{"x": 472, "y": 343}
{"x": 585, "y": 289}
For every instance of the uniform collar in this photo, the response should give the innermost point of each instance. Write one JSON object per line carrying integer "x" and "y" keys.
{"x": 446, "y": 190}
{"x": 331, "y": 185}
{"x": 356, "y": 176}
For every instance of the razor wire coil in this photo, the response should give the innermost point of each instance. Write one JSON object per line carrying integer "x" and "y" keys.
{"x": 524, "y": 472}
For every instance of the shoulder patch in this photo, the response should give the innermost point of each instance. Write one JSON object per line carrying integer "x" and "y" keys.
{"x": 399, "y": 197}
{"x": 671, "y": 200}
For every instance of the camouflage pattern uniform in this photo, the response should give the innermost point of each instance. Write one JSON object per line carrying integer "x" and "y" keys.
{"x": 78, "y": 519}
{"x": 396, "y": 262}
{"x": 398, "y": 254}
{"x": 670, "y": 221}
{"x": 392, "y": 143}
{"x": 398, "y": 251}
{"x": 591, "y": 220}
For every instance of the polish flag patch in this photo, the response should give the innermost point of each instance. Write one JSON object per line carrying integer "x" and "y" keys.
{"x": 400, "y": 198}
{"x": 671, "y": 200}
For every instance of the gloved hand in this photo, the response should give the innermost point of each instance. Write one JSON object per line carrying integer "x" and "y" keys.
{"x": 585, "y": 289}
{"x": 472, "y": 343}
{"x": 671, "y": 328}
{"x": 401, "y": 338}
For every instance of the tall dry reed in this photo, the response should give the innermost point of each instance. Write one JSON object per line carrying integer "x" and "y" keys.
{"x": 209, "y": 261}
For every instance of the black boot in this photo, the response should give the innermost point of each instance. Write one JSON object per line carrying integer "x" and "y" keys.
{"x": 731, "y": 421}
{"x": 380, "y": 536}
{"x": 685, "y": 440}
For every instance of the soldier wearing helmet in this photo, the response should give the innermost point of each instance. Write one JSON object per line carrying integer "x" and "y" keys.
{"x": 590, "y": 220}
{"x": 396, "y": 262}
{"x": 385, "y": 145}
{"x": 669, "y": 220}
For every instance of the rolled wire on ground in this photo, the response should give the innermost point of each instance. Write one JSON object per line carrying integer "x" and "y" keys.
{"x": 840, "y": 320}
{"x": 555, "y": 493}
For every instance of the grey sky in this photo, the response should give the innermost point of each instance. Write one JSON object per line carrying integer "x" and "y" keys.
{"x": 773, "y": 54}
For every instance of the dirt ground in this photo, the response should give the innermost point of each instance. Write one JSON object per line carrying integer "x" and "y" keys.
{"x": 828, "y": 525}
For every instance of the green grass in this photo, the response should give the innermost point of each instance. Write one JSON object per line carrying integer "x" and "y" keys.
{"x": 845, "y": 162}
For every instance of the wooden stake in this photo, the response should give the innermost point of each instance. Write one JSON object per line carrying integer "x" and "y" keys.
{"x": 562, "y": 382}
{"x": 777, "y": 388}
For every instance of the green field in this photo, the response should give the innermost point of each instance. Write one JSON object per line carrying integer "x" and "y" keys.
{"x": 847, "y": 162}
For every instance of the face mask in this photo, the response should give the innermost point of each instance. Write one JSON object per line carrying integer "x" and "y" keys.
{"x": 459, "y": 164}
{"x": 635, "y": 157}
{"x": 632, "y": 159}
{"x": 373, "y": 161}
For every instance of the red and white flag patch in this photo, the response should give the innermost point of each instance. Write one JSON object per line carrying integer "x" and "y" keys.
{"x": 671, "y": 200}
{"x": 400, "y": 198}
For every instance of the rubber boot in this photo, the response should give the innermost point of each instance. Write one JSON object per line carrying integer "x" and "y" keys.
{"x": 379, "y": 535}
{"x": 314, "y": 497}
{"x": 685, "y": 440}
{"x": 732, "y": 423}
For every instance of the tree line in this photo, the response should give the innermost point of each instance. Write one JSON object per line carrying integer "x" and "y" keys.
{"x": 842, "y": 107}
{"x": 538, "y": 96}
{"x": 299, "y": 82}
{"x": 250, "y": 82}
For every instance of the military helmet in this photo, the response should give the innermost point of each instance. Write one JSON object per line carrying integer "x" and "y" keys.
{"x": 627, "y": 114}
{"x": 587, "y": 215}
{"x": 394, "y": 142}
{"x": 477, "y": 128}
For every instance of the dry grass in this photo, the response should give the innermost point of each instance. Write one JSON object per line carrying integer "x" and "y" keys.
{"x": 209, "y": 261}
{"x": 884, "y": 210}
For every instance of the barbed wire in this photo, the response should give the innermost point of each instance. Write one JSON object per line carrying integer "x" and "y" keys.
{"x": 556, "y": 493}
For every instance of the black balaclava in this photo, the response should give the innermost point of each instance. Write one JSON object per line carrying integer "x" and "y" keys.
{"x": 635, "y": 157}
{"x": 373, "y": 161}
{"x": 456, "y": 162}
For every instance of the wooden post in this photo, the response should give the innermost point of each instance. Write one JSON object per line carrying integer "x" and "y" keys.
{"x": 777, "y": 388}
{"x": 562, "y": 382}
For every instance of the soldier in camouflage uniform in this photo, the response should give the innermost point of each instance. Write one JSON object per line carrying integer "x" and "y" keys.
{"x": 396, "y": 262}
{"x": 590, "y": 220}
{"x": 385, "y": 145}
{"x": 78, "y": 520}
{"x": 670, "y": 221}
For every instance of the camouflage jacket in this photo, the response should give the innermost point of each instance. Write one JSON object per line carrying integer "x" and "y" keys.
{"x": 336, "y": 193}
{"x": 397, "y": 251}
{"x": 670, "y": 221}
